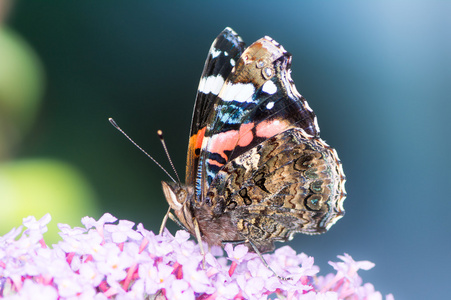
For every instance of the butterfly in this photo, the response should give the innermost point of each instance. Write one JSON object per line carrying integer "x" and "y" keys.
{"x": 257, "y": 171}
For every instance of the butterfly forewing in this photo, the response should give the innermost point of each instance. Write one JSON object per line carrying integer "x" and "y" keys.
{"x": 257, "y": 101}
{"x": 224, "y": 53}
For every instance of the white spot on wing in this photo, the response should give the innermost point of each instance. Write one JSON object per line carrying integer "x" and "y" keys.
{"x": 211, "y": 84}
{"x": 232, "y": 62}
{"x": 315, "y": 121}
{"x": 234, "y": 33}
{"x": 270, "y": 105}
{"x": 305, "y": 133}
{"x": 307, "y": 106}
{"x": 269, "y": 87}
{"x": 240, "y": 92}
{"x": 215, "y": 52}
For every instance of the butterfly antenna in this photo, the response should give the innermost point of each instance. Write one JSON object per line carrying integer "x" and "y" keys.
{"x": 160, "y": 135}
{"x": 142, "y": 150}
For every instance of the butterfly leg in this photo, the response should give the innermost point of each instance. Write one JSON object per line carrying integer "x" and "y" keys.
{"x": 176, "y": 221}
{"x": 264, "y": 261}
{"x": 254, "y": 247}
{"x": 165, "y": 219}
{"x": 199, "y": 240}
{"x": 237, "y": 242}
{"x": 196, "y": 230}
{"x": 173, "y": 218}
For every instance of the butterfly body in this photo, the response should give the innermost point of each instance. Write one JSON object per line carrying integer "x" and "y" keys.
{"x": 257, "y": 171}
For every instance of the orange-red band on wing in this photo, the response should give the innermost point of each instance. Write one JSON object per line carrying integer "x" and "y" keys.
{"x": 195, "y": 141}
{"x": 267, "y": 129}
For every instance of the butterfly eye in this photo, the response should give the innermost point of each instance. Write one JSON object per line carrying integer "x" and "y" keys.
{"x": 181, "y": 196}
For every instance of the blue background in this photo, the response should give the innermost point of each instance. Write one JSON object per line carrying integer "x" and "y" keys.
{"x": 377, "y": 75}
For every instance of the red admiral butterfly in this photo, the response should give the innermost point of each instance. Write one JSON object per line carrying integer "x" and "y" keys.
{"x": 257, "y": 170}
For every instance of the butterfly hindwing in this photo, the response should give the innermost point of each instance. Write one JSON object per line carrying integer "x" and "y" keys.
{"x": 290, "y": 183}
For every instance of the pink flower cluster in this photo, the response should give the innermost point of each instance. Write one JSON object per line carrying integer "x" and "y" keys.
{"x": 105, "y": 260}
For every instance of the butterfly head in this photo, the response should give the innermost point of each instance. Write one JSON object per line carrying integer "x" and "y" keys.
{"x": 179, "y": 198}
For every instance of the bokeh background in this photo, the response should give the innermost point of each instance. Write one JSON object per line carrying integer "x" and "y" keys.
{"x": 377, "y": 74}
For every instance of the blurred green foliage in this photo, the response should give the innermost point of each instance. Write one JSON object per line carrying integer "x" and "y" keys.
{"x": 32, "y": 186}
{"x": 39, "y": 186}
{"x": 21, "y": 89}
